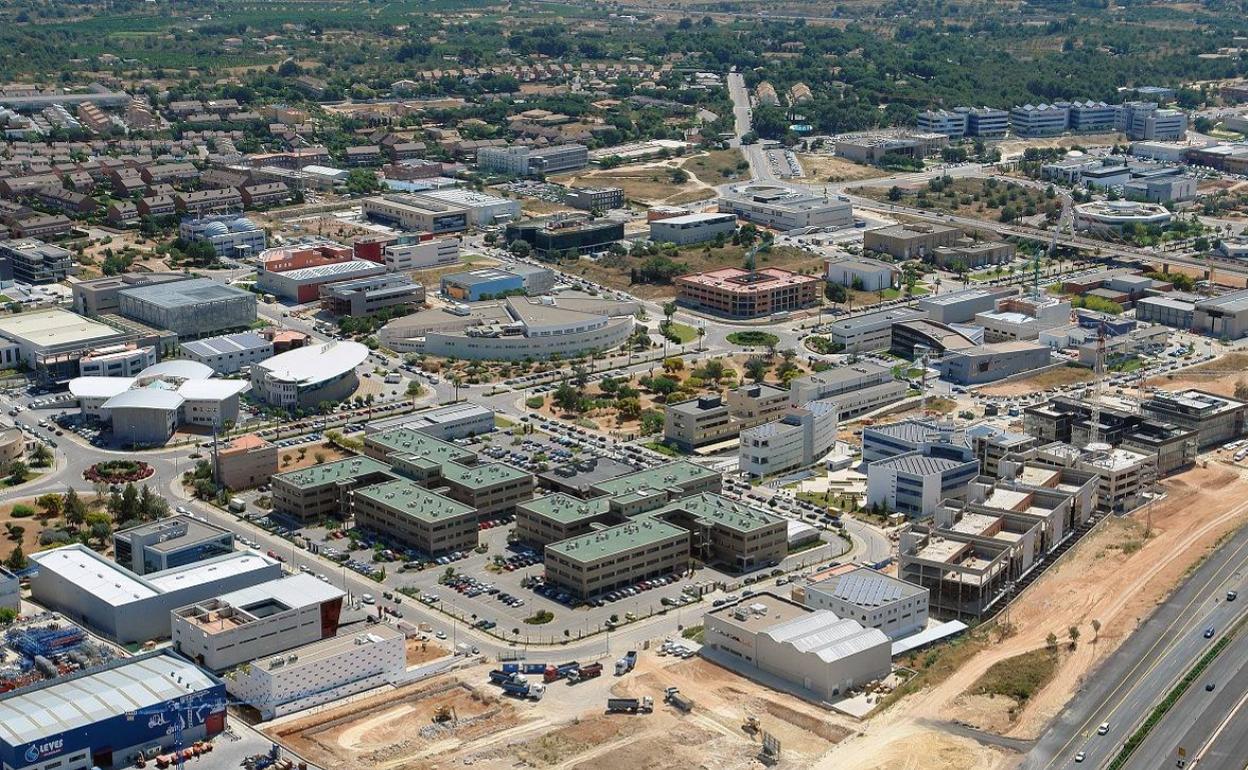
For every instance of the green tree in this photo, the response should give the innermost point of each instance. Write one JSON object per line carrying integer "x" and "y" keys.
{"x": 49, "y": 506}
{"x": 18, "y": 472}
{"x": 17, "y": 559}
{"x": 567, "y": 397}
{"x": 75, "y": 509}
{"x": 756, "y": 368}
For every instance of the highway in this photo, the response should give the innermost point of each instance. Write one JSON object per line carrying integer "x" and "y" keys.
{"x": 1152, "y": 660}
{"x": 1210, "y": 728}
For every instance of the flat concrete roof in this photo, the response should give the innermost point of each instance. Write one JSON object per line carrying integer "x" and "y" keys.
{"x": 53, "y": 327}
{"x": 565, "y": 508}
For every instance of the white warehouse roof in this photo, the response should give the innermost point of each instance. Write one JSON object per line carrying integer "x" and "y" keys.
{"x": 211, "y": 390}
{"x": 109, "y": 582}
{"x": 99, "y": 387}
{"x": 66, "y": 705}
{"x": 314, "y": 363}
{"x": 145, "y": 398}
{"x": 824, "y": 634}
{"x": 300, "y": 590}
{"x": 187, "y": 370}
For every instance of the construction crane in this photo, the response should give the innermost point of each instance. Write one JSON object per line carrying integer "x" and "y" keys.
{"x": 1098, "y": 383}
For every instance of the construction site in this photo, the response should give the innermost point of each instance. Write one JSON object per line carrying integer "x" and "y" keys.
{"x": 46, "y": 647}
{"x": 667, "y": 712}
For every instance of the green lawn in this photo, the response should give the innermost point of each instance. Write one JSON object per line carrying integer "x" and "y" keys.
{"x": 662, "y": 448}
{"x": 753, "y": 339}
{"x": 683, "y": 333}
{"x": 1127, "y": 365}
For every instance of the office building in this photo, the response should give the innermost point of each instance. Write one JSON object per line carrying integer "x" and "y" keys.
{"x": 1146, "y": 121}
{"x": 402, "y": 511}
{"x": 87, "y": 588}
{"x": 870, "y": 331}
{"x": 306, "y": 376}
{"x": 256, "y": 622}
{"x": 617, "y": 557}
{"x": 51, "y": 342}
{"x": 529, "y": 161}
{"x": 321, "y": 672}
{"x": 483, "y": 210}
{"x": 594, "y": 198}
{"x": 912, "y": 340}
{"x": 245, "y": 462}
{"x": 785, "y": 209}
{"x": 797, "y": 440}
{"x": 412, "y": 213}
{"x": 909, "y": 241}
{"x": 195, "y": 307}
{"x": 445, "y": 423}
{"x": 490, "y": 489}
{"x": 229, "y": 235}
{"x": 101, "y": 296}
{"x": 947, "y": 122}
{"x": 987, "y": 122}
{"x": 710, "y": 419}
{"x": 421, "y": 255}
{"x": 35, "y": 262}
{"x": 88, "y": 719}
{"x": 1214, "y": 419}
{"x": 881, "y": 442}
{"x": 1225, "y": 317}
{"x": 325, "y": 490}
{"x": 967, "y": 254}
{"x": 1093, "y": 116}
{"x": 167, "y": 543}
{"x": 116, "y": 361}
{"x": 812, "y": 650}
{"x": 1032, "y": 120}
{"x": 875, "y": 600}
{"x": 298, "y": 273}
{"x": 959, "y": 307}
{"x": 363, "y": 297}
{"x": 566, "y": 234}
{"x": 228, "y": 353}
{"x": 914, "y": 483}
{"x": 693, "y": 228}
{"x": 736, "y": 293}
{"x": 992, "y": 362}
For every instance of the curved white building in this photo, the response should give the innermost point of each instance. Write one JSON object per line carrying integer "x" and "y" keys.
{"x": 516, "y": 329}
{"x": 309, "y": 375}
{"x": 1114, "y": 215}
{"x": 146, "y": 409}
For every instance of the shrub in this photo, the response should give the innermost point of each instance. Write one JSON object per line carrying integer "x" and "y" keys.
{"x": 22, "y": 511}
{"x": 535, "y": 402}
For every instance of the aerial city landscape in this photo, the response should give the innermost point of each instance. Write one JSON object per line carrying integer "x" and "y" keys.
{"x": 557, "y": 383}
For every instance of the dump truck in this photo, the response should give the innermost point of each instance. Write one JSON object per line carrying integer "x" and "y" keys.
{"x": 626, "y": 663}
{"x": 643, "y": 704}
{"x": 522, "y": 689}
{"x": 672, "y": 695}
{"x": 553, "y": 673}
{"x": 500, "y": 677}
{"x": 585, "y": 672}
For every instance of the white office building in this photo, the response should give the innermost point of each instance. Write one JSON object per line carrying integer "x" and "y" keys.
{"x": 874, "y": 599}
{"x": 871, "y": 331}
{"x": 916, "y": 482}
{"x": 796, "y": 440}
{"x": 438, "y": 252}
{"x": 257, "y": 622}
{"x": 861, "y": 274}
{"x": 321, "y": 672}
{"x": 947, "y": 122}
{"x": 786, "y": 209}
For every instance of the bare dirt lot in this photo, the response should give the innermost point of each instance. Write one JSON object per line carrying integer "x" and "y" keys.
{"x": 821, "y": 169}
{"x": 1219, "y": 376}
{"x": 652, "y": 183}
{"x": 1053, "y": 378}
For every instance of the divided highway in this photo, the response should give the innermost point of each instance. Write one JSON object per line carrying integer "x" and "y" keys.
{"x": 1148, "y": 665}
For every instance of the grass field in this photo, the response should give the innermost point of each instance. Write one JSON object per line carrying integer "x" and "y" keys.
{"x": 683, "y": 333}
{"x": 718, "y": 166}
{"x": 1019, "y": 677}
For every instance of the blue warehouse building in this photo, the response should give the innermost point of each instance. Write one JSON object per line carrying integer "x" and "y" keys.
{"x": 104, "y": 717}
{"x": 486, "y": 283}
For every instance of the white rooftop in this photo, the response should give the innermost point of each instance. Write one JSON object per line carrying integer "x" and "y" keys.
{"x": 314, "y": 363}
{"x": 71, "y": 704}
{"x": 300, "y": 590}
{"x": 211, "y": 390}
{"x": 109, "y": 582}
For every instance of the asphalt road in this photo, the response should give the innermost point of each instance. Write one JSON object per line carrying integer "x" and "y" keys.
{"x": 740, "y": 106}
{"x": 1209, "y": 727}
{"x": 1156, "y": 655}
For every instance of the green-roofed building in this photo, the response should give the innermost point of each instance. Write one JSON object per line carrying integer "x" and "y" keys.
{"x": 678, "y": 479}
{"x": 324, "y": 490}
{"x": 556, "y": 517}
{"x": 414, "y": 454}
{"x": 618, "y": 556}
{"x": 417, "y": 517}
{"x": 490, "y": 488}
{"x": 736, "y": 535}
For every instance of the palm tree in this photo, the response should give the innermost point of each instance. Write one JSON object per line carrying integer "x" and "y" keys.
{"x": 701, "y": 334}
{"x": 456, "y": 380}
